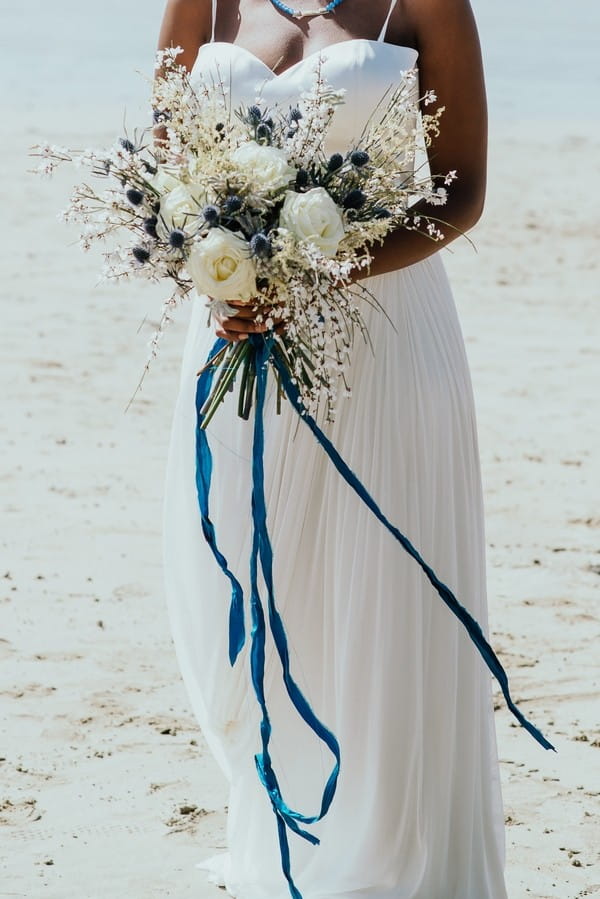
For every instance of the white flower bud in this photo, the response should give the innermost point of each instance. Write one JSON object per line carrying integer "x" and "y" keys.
{"x": 221, "y": 267}
{"x": 181, "y": 208}
{"x": 315, "y": 218}
{"x": 268, "y": 167}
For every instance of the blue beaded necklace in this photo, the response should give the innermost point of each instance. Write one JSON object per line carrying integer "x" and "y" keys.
{"x": 303, "y": 14}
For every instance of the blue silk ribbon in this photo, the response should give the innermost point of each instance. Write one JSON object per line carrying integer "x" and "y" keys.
{"x": 237, "y": 633}
{"x": 472, "y": 627}
{"x": 262, "y": 553}
{"x": 261, "y": 561}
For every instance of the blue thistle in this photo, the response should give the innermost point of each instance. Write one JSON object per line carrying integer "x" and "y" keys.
{"x": 294, "y": 114}
{"x": 212, "y": 215}
{"x": 354, "y": 199}
{"x": 254, "y": 115}
{"x": 150, "y": 226}
{"x": 233, "y": 203}
{"x": 358, "y": 158}
{"x": 140, "y": 254}
{"x": 135, "y": 196}
{"x": 381, "y": 213}
{"x": 177, "y": 238}
{"x": 263, "y": 132}
{"x": 127, "y": 144}
{"x": 335, "y": 162}
{"x": 261, "y": 246}
{"x": 302, "y": 179}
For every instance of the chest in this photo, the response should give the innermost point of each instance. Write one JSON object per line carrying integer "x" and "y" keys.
{"x": 366, "y": 71}
{"x": 281, "y": 41}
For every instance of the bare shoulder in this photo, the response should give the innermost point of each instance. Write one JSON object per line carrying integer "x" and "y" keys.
{"x": 445, "y": 34}
{"x": 187, "y": 24}
{"x": 435, "y": 20}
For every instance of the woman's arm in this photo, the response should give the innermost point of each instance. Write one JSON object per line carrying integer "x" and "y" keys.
{"x": 449, "y": 64}
{"x": 186, "y": 24}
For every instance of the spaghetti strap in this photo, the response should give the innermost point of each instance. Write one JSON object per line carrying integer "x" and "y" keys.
{"x": 214, "y": 20}
{"x": 385, "y": 24}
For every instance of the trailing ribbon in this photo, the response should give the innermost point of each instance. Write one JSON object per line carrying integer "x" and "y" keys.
{"x": 262, "y": 552}
{"x": 237, "y": 634}
{"x": 472, "y": 627}
{"x": 261, "y": 557}
{"x": 267, "y": 351}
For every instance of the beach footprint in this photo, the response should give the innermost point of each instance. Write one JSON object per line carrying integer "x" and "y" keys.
{"x": 19, "y": 812}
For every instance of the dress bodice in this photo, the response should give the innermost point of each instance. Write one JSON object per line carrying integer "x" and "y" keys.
{"x": 365, "y": 70}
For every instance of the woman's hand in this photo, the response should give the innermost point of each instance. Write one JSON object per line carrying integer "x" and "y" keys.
{"x": 243, "y": 323}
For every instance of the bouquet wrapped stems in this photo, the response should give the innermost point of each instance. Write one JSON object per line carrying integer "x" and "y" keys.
{"x": 236, "y": 363}
{"x": 229, "y": 360}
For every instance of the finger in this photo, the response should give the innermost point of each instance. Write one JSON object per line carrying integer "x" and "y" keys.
{"x": 250, "y": 311}
{"x": 231, "y": 323}
{"x": 242, "y": 304}
{"x": 235, "y": 321}
{"x": 239, "y": 325}
{"x": 230, "y": 336}
{"x": 247, "y": 313}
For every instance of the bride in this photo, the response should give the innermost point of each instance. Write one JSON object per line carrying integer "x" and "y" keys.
{"x": 418, "y": 811}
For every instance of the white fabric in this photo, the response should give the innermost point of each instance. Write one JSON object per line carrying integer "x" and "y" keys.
{"x": 418, "y": 812}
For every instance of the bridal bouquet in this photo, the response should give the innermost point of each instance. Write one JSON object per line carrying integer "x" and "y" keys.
{"x": 245, "y": 204}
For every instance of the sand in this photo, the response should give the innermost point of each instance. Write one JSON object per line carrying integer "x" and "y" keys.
{"x": 106, "y": 786}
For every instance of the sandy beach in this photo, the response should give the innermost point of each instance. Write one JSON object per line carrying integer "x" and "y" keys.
{"x": 106, "y": 786}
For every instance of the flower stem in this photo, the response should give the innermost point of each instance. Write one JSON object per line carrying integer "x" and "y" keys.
{"x": 229, "y": 369}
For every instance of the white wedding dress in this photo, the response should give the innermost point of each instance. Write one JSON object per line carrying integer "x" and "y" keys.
{"x": 418, "y": 812}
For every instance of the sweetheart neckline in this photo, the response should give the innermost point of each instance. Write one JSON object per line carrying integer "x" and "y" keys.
{"x": 329, "y": 47}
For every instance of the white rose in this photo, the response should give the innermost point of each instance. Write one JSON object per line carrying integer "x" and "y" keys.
{"x": 268, "y": 167}
{"x": 313, "y": 217}
{"x": 220, "y": 266}
{"x": 163, "y": 181}
{"x": 181, "y": 208}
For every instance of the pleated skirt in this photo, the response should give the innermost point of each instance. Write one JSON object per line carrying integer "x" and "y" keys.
{"x": 418, "y": 811}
